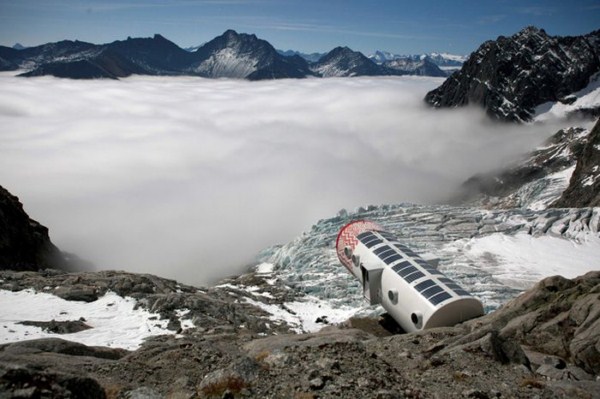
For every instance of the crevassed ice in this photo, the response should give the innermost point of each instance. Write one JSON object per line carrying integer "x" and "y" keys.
{"x": 310, "y": 265}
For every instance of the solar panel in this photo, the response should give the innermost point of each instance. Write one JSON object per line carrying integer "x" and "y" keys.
{"x": 439, "y": 298}
{"x": 406, "y": 271}
{"x": 414, "y": 276}
{"x": 391, "y": 259}
{"x": 431, "y": 291}
{"x": 381, "y": 249}
{"x": 386, "y": 253}
{"x": 372, "y": 243}
{"x": 424, "y": 285}
{"x": 401, "y": 265}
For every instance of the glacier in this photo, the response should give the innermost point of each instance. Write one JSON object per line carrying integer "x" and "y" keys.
{"x": 494, "y": 254}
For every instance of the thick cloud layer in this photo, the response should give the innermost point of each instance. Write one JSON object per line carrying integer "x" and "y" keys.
{"x": 189, "y": 178}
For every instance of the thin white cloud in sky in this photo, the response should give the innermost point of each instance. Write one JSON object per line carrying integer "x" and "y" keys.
{"x": 189, "y": 178}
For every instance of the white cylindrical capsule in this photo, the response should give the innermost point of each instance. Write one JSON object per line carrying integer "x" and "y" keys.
{"x": 414, "y": 293}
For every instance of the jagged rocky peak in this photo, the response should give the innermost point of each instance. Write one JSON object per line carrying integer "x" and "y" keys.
{"x": 239, "y": 41}
{"x": 342, "y": 61}
{"x": 345, "y": 54}
{"x": 244, "y": 56}
{"x": 233, "y": 36}
{"x": 510, "y": 76}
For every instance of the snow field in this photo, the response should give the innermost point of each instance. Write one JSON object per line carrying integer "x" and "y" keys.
{"x": 114, "y": 321}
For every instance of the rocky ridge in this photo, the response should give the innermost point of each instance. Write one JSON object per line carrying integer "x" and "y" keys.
{"x": 563, "y": 172}
{"x": 511, "y": 76}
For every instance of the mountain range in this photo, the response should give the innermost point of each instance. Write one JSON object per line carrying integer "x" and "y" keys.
{"x": 511, "y": 76}
{"x": 230, "y": 55}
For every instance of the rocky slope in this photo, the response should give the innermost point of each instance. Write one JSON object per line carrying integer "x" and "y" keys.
{"x": 511, "y": 76}
{"x": 24, "y": 243}
{"x": 564, "y": 172}
{"x": 542, "y": 344}
{"x": 584, "y": 185}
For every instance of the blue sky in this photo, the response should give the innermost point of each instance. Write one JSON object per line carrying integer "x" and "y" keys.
{"x": 305, "y": 25}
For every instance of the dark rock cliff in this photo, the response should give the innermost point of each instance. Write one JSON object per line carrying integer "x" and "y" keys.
{"x": 510, "y": 76}
{"x": 24, "y": 243}
{"x": 584, "y": 186}
{"x": 534, "y": 179}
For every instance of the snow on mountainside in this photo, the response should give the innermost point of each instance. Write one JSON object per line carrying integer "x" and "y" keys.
{"x": 511, "y": 76}
{"x": 227, "y": 63}
{"x": 420, "y": 67}
{"x": 536, "y": 182}
{"x": 235, "y": 55}
{"x": 564, "y": 172}
{"x": 342, "y": 62}
{"x": 440, "y": 59}
{"x": 585, "y": 102}
{"x": 445, "y": 59}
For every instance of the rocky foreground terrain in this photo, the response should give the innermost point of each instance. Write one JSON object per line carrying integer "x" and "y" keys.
{"x": 543, "y": 344}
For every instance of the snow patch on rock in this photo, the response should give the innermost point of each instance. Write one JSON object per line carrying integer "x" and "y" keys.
{"x": 115, "y": 321}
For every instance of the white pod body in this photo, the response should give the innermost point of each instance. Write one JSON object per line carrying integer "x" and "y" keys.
{"x": 413, "y": 292}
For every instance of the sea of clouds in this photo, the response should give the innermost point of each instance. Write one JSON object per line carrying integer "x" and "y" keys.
{"x": 189, "y": 178}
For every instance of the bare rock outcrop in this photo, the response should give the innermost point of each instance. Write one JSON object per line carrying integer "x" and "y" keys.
{"x": 24, "y": 243}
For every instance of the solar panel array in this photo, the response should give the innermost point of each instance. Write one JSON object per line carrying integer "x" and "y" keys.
{"x": 402, "y": 261}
